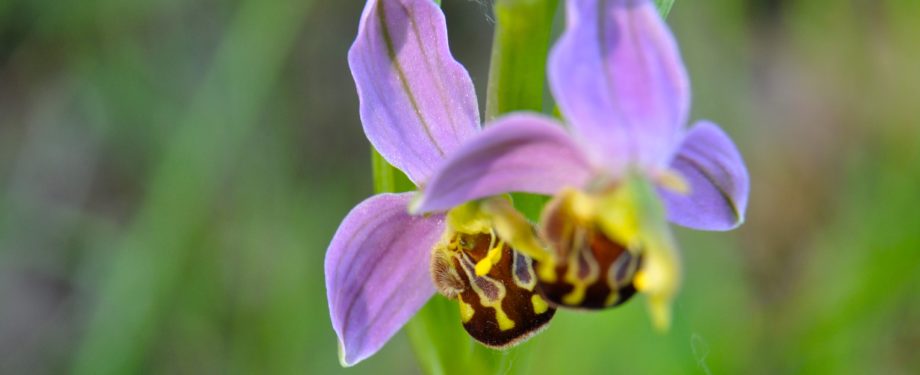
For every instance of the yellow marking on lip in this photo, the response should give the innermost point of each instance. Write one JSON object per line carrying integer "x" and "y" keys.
{"x": 539, "y": 304}
{"x": 579, "y": 284}
{"x": 504, "y": 323}
{"x": 640, "y": 281}
{"x": 492, "y": 258}
{"x": 466, "y": 311}
{"x": 546, "y": 271}
{"x": 576, "y": 296}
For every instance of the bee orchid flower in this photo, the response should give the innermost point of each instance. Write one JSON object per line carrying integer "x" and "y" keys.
{"x": 624, "y": 169}
{"x": 417, "y": 106}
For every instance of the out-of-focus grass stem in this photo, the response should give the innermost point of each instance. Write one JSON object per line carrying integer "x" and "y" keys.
{"x": 146, "y": 267}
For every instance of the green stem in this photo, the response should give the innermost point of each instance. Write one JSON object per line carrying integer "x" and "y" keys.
{"x": 518, "y": 68}
{"x": 664, "y": 7}
{"x": 384, "y": 174}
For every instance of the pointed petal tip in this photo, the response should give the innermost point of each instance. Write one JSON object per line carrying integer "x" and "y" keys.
{"x": 718, "y": 179}
{"x": 739, "y": 221}
{"x": 343, "y": 357}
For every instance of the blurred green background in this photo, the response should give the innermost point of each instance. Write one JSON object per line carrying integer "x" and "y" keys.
{"x": 172, "y": 171}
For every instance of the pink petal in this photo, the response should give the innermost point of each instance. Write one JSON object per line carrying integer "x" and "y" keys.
{"x": 377, "y": 272}
{"x": 718, "y": 181}
{"x": 618, "y": 78}
{"x": 516, "y": 153}
{"x": 417, "y": 102}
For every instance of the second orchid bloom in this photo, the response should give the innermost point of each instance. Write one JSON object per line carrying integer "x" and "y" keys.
{"x": 623, "y": 170}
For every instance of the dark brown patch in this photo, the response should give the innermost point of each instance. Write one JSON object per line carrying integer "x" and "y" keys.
{"x": 587, "y": 257}
{"x": 516, "y": 302}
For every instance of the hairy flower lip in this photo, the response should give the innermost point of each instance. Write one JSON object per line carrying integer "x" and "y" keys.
{"x": 588, "y": 269}
{"x": 493, "y": 284}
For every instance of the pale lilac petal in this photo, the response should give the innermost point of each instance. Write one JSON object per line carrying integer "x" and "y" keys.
{"x": 417, "y": 102}
{"x": 515, "y": 153}
{"x": 619, "y": 80}
{"x": 377, "y": 272}
{"x": 717, "y": 178}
